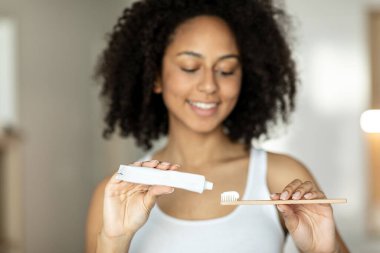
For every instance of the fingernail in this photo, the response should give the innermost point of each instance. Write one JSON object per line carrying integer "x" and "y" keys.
{"x": 273, "y": 195}
{"x": 284, "y": 195}
{"x": 296, "y": 195}
{"x": 280, "y": 209}
{"x": 165, "y": 163}
{"x": 307, "y": 195}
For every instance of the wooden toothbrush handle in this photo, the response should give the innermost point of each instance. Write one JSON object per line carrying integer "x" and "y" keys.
{"x": 285, "y": 202}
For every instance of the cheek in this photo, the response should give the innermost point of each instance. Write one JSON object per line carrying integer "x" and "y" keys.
{"x": 174, "y": 89}
{"x": 176, "y": 83}
{"x": 231, "y": 89}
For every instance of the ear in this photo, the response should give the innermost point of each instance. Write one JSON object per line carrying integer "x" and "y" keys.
{"x": 157, "y": 88}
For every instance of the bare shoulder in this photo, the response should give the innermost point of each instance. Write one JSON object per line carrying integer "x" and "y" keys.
{"x": 95, "y": 215}
{"x": 283, "y": 169}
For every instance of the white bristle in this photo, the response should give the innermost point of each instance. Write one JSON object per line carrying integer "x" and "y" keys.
{"x": 230, "y": 196}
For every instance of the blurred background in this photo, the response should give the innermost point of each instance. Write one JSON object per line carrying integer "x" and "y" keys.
{"x": 52, "y": 154}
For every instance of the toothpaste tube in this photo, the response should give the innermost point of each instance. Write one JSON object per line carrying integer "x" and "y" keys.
{"x": 152, "y": 176}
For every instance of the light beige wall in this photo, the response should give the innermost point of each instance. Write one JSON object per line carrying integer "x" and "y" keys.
{"x": 331, "y": 47}
{"x": 64, "y": 155}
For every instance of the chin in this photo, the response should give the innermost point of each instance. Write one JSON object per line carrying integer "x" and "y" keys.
{"x": 205, "y": 128}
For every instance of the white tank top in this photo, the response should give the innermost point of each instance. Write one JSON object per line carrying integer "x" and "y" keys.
{"x": 246, "y": 229}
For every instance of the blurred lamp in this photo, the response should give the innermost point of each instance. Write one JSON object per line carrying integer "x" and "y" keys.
{"x": 370, "y": 121}
{"x": 8, "y": 110}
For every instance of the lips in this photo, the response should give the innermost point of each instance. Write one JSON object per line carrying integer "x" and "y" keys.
{"x": 203, "y": 105}
{"x": 203, "y": 108}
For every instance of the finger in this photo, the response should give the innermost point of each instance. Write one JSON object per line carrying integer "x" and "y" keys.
{"x": 157, "y": 190}
{"x": 315, "y": 195}
{"x": 174, "y": 166}
{"x": 151, "y": 163}
{"x": 290, "y": 188}
{"x": 138, "y": 163}
{"x": 113, "y": 179}
{"x": 153, "y": 193}
{"x": 290, "y": 218}
{"x": 121, "y": 188}
{"x": 114, "y": 182}
{"x": 114, "y": 187}
{"x": 131, "y": 190}
{"x": 163, "y": 165}
{"x": 275, "y": 196}
{"x": 302, "y": 189}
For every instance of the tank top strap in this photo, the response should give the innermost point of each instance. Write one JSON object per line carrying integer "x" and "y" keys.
{"x": 257, "y": 175}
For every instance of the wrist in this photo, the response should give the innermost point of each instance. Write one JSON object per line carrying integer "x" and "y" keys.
{"x": 113, "y": 244}
{"x": 336, "y": 250}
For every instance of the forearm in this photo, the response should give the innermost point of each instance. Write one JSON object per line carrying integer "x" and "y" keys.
{"x": 107, "y": 244}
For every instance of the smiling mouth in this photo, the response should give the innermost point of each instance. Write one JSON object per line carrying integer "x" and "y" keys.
{"x": 203, "y": 105}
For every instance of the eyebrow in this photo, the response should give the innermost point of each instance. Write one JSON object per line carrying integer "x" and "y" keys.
{"x": 194, "y": 54}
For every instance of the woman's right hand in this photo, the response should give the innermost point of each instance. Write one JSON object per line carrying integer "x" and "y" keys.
{"x": 127, "y": 206}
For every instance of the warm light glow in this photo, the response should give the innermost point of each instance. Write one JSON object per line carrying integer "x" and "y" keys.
{"x": 8, "y": 111}
{"x": 370, "y": 121}
{"x": 335, "y": 74}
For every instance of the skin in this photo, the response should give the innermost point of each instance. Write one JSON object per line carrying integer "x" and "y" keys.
{"x": 202, "y": 64}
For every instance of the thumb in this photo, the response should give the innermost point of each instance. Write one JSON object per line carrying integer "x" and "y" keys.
{"x": 290, "y": 218}
{"x": 152, "y": 194}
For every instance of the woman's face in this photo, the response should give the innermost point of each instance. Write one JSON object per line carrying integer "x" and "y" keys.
{"x": 201, "y": 74}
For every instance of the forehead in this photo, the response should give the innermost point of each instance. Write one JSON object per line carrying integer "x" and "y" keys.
{"x": 204, "y": 34}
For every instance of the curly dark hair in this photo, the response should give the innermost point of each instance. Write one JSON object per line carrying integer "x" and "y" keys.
{"x": 133, "y": 59}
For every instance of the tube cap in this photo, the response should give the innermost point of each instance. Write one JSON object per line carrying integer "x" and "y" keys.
{"x": 208, "y": 185}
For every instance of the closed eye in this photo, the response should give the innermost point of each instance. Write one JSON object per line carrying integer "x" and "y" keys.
{"x": 189, "y": 70}
{"x": 226, "y": 73}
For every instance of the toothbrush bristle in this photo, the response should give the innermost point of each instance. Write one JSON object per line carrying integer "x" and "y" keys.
{"x": 230, "y": 196}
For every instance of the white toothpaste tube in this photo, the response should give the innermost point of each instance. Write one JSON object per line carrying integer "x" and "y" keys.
{"x": 151, "y": 176}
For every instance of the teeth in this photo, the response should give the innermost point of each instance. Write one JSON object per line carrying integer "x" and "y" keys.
{"x": 204, "y": 106}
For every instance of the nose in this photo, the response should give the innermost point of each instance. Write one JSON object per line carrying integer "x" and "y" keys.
{"x": 208, "y": 83}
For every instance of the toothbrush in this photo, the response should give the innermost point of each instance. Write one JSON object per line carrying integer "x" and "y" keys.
{"x": 231, "y": 198}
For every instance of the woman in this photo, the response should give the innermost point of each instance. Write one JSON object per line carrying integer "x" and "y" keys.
{"x": 211, "y": 76}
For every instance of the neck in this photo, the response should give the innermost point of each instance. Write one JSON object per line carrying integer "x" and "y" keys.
{"x": 191, "y": 149}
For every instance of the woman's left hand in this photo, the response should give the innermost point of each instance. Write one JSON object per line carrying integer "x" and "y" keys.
{"x": 311, "y": 226}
